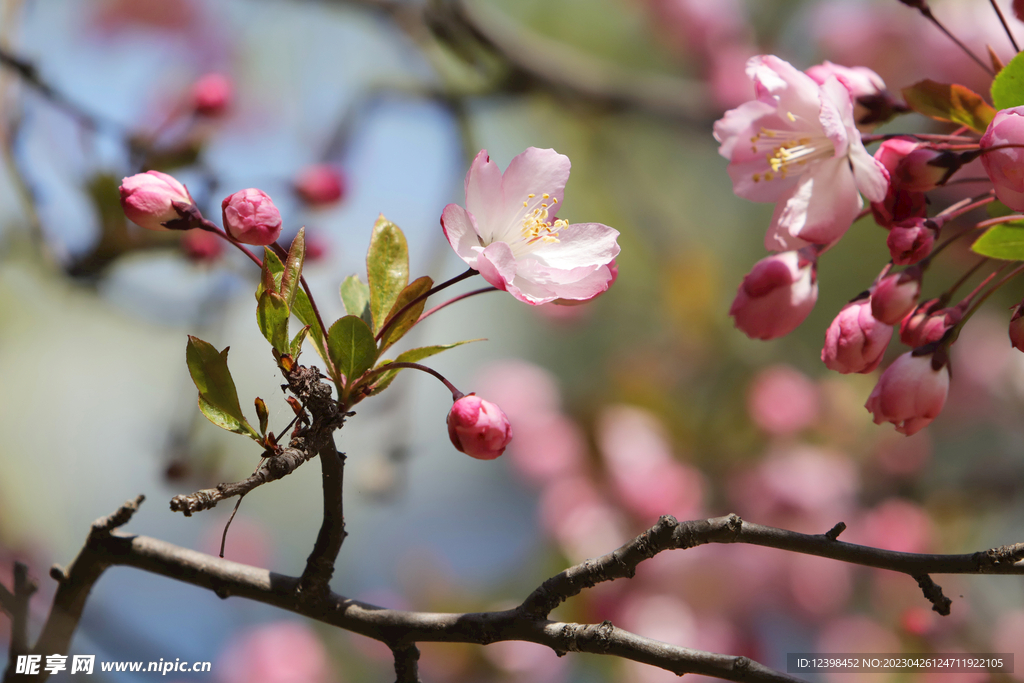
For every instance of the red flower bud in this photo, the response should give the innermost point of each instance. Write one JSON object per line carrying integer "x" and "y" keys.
{"x": 910, "y": 393}
{"x": 251, "y": 218}
{"x": 148, "y": 199}
{"x": 320, "y": 184}
{"x": 776, "y": 296}
{"x": 911, "y": 241}
{"x": 211, "y": 94}
{"x": 855, "y": 341}
{"x": 895, "y": 296}
{"x": 478, "y": 428}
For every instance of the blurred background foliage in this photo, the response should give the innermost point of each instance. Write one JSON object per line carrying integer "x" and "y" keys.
{"x": 645, "y": 402}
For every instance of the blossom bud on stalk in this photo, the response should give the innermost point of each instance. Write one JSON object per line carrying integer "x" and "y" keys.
{"x": 913, "y": 166}
{"x": 251, "y": 218}
{"x": 895, "y": 296}
{"x": 211, "y": 94}
{"x": 855, "y": 341}
{"x": 911, "y": 392}
{"x": 911, "y": 241}
{"x": 1003, "y": 165}
{"x": 899, "y": 205}
{"x": 1017, "y": 327}
{"x": 478, "y": 428}
{"x": 320, "y": 184}
{"x": 776, "y": 296}
{"x": 928, "y": 323}
{"x": 148, "y": 200}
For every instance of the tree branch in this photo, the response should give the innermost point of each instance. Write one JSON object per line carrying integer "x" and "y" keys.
{"x": 272, "y": 468}
{"x": 16, "y": 605}
{"x": 401, "y": 630}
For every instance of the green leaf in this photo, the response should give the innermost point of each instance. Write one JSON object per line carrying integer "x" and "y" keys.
{"x": 411, "y": 356}
{"x": 1004, "y": 241}
{"x": 272, "y": 317}
{"x": 1008, "y": 85}
{"x": 397, "y": 330}
{"x": 295, "y": 348}
{"x": 226, "y": 421}
{"x": 356, "y": 297}
{"x": 290, "y": 280}
{"x": 302, "y": 308}
{"x": 352, "y": 347}
{"x": 263, "y": 414}
{"x": 209, "y": 370}
{"x": 387, "y": 268}
{"x": 267, "y": 280}
{"x": 946, "y": 102}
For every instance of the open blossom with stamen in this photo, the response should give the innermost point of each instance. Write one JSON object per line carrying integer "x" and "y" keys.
{"x": 508, "y": 231}
{"x": 797, "y": 144}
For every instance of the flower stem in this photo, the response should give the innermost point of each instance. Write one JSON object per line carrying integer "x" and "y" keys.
{"x": 992, "y": 290}
{"x": 460, "y": 297}
{"x": 1006, "y": 27}
{"x": 210, "y": 226}
{"x": 456, "y": 394}
{"x": 436, "y": 288}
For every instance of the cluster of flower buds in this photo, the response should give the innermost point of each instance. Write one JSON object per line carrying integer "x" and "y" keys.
{"x": 800, "y": 145}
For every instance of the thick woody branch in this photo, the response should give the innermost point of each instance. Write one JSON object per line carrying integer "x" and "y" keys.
{"x": 669, "y": 534}
{"x": 401, "y": 630}
{"x": 407, "y": 664}
{"x": 273, "y": 468}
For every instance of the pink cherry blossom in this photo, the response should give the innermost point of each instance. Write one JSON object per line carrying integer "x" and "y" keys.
{"x": 478, "y": 428}
{"x": 251, "y": 217}
{"x": 211, "y": 94}
{"x": 148, "y": 199}
{"x": 855, "y": 341}
{"x": 1003, "y": 166}
{"x": 910, "y": 393}
{"x": 798, "y": 145}
{"x": 895, "y": 296}
{"x": 508, "y": 231}
{"x": 776, "y": 296}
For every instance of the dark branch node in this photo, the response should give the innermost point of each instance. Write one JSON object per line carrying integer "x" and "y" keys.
{"x": 933, "y": 591}
{"x": 833, "y": 533}
{"x": 104, "y": 525}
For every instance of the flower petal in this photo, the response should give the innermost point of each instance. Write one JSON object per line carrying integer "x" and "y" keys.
{"x": 796, "y": 92}
{"x": 820, "y": 208}
{"x": 537, "y": 172}
{"x": 496, "y": 264}
{"x": 460, "y": 229}
{"x": 484, "y": 198}
{"x": 579, "y": 245}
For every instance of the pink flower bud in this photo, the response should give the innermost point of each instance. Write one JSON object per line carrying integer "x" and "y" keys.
{"x": 148, "y": 199}
{"x": 913, "y": 166}
{"x": 776, "y": 296}
{"x": 1017, "y": 327}
{"x": 855, "y": 341}
{"x": 211, "y": 94}
{"x": 201, "y": 246}
{"x": 910, "y": 393}
{"x": 1004, "y": 165}
{"x": 251, "y": 218}
{"x": 899, "y": 205}
{"x": 895, "y": 296}
{"x": 478, "y": 428}
{"x": 911, "y": 241}
{"x": 320, "y": 184}
{"x": 928, "y": 323}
